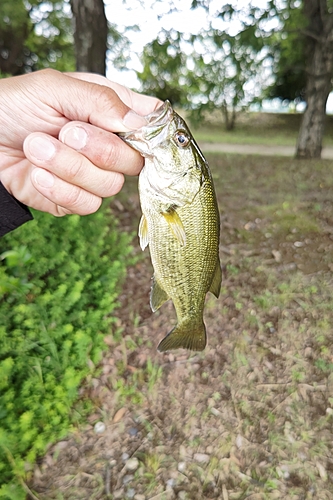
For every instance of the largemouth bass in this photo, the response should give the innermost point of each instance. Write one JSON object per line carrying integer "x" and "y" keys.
{"x": 180, "y": 223}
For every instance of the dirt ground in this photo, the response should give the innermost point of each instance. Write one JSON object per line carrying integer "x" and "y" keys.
{"x": 250, "y": 417}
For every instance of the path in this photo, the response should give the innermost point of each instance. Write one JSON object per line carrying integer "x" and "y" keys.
{"x": 259, "y": 149}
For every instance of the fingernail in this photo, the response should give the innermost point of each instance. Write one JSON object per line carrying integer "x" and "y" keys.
{"x": 74, "y": 137}
{"x": 41, "y": 148}
{"x": 44, "y": 178}
{"x": 134, "y": 121}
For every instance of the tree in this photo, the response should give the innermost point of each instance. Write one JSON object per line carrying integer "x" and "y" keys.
{"x": 318, "y": 36}
{"x": 305, "y": 67}
{"x": 35, "y": 35}
{"x": 307, "y": 27}
{"x": 96, "y": 40}
{"x": 292, "y": 37}
{"x": 39, "y": 34}
{"x": 288, "y": 55}
{"x": 203, "y": 72}
{"x": 163, "y": 62}
{"x": 90, "y": 35}
{"x": 227, "y": 73}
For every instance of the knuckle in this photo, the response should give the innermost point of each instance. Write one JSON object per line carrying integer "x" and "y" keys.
{"x": 92, "y": 205}
{"x": 80, "y": 202}
{"x": 74, "y": 169}
{"x": 117, "y": 156}
{"x": 115, "y": 184}
{"x": 111, "y": 154}
{"x": 105, "y": 98}
{"x": 71, "y": 198}
{"x": 49, "y": 72}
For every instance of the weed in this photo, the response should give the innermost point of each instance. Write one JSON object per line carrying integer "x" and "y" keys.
{"x": 58, "y": 281}
{"x": 153, "y": 374}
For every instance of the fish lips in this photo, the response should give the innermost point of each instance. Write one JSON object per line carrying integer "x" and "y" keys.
{"x": 137, "y": 141}
{"x": 146, "y": 138}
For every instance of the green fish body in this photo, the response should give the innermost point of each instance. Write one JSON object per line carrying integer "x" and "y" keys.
{"x": 180, "y": 223}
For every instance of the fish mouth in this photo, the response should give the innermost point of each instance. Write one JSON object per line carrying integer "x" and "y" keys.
{"x": 146, "y": 138}
{"x": 161, "y": 115}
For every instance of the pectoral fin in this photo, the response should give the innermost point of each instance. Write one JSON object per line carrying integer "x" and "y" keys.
{"x": 215, "y": 287}
{"x": 175, "y": 225}
{"x": 157, "y": 295}
{"x": 143, "y": 232}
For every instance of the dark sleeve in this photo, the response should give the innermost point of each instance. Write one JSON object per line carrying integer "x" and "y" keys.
{"x": 12, "y": 212}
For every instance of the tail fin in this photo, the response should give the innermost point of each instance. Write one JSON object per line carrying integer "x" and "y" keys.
{"x": 186, "y": 336}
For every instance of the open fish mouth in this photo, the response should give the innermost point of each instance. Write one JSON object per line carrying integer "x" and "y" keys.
{"x": 146, "y": 138}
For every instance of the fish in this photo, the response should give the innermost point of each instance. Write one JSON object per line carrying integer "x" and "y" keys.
{"x": 180, "y": 223}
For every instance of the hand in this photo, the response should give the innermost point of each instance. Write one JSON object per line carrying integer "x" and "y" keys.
{"x": 57, "y": 150}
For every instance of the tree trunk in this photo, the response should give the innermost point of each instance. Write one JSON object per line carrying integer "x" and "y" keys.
{"x": 90, "y": 35}
{"x": 319, "y": 74}
{"x": 309, "y": 144}
{"x": 229, "y": 117}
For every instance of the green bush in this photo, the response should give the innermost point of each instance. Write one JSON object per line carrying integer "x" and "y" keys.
{"x": 59, "y": 281}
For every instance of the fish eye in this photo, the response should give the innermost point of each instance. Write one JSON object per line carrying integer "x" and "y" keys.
{"x": 182, "y": 139}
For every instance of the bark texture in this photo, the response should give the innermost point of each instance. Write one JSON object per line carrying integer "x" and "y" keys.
{"x": 229, "y": 116}
{"x": 90, "y": 35}
{"x": 319, "y": 67}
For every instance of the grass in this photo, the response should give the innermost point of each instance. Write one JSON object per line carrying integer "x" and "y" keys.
{"x": 286, "y": 317}
{"x": 259, "y": 400}
{"x": 258, "y": 128}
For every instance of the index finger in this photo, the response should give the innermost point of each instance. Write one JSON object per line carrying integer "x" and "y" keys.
{"x": 104, "y": 149}
{"x": 140, "y": 103}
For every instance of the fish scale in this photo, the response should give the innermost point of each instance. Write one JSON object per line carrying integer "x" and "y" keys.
{"x": 180, "y": 223}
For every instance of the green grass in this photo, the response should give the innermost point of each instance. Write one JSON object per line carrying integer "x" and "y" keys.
{"x": 268, "y": 129}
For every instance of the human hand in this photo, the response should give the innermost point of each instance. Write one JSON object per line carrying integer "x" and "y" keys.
{"x": 58, "y": 152}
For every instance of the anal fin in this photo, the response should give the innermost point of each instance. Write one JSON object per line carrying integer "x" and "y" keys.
{"x": 157, "y": 295}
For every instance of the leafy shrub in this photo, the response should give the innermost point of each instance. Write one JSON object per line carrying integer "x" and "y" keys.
{"x": 59, "y": 280}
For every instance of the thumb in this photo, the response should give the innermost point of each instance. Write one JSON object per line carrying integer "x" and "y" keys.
{"x": 100, "y": 105}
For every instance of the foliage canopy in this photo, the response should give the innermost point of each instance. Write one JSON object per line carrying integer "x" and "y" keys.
{"x": 35, "y": 35}
{"x": 246, "y": 52}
